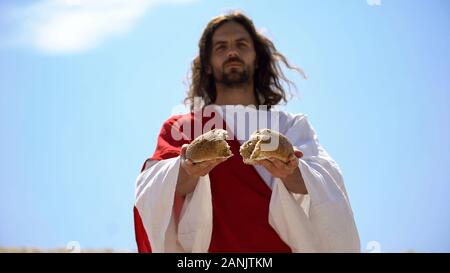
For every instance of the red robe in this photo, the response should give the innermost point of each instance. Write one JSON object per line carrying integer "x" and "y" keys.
{"x": 240, "y": 200}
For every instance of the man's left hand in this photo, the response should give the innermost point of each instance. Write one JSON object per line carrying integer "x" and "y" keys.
{"x": 279, "y": 168}
{"x": 288, "y": 172}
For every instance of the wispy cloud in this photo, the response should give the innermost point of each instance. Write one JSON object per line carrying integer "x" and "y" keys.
{"x": 68, "y": 26}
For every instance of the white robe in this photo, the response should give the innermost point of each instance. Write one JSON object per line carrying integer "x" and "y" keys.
{"x": 320, "y": 221}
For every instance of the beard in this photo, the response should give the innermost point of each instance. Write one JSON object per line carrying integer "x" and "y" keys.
{"x": 234, "y": 77}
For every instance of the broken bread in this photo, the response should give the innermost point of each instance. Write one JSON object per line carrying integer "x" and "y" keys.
{"x": 264, "y": 144}
{"x": 208, "y": 146}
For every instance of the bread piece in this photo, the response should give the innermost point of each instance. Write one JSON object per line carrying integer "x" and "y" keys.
{"x": 210, "y": 145}
{"x": 252, "y": 151}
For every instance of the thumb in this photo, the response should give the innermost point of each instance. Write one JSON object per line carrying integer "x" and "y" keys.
{"x": 183, "y": 149}
{"x": 298, "y": 153}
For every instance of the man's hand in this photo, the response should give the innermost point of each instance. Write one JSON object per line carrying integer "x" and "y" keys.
{"x": 288, "y": 172}
{"x": 279, "y": 168}
{"x": 190, "y": 172}
{"x": 197, "y": 169}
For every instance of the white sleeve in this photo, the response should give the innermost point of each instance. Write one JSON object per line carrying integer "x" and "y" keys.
{"x": 155, "y": 192}
{"x": 322, "y": 220}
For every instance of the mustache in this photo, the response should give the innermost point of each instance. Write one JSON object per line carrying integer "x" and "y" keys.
{"x": 232, "y": 60}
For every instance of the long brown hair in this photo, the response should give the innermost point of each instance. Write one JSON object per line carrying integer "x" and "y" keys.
{"x": 268, "y": 75}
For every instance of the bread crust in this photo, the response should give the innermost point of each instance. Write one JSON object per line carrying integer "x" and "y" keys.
{"x": 208, "y": 146}
{"x": 253, "y": 150}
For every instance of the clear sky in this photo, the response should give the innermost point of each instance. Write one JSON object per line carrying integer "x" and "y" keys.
{"x": 86, "y": 85}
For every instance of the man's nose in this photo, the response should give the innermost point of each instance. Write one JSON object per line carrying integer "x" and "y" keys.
{"x": 233, "y": 53}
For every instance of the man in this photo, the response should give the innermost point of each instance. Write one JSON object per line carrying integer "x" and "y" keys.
{"x": 224, "y": 205}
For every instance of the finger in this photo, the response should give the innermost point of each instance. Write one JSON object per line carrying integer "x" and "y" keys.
{"x": 189, "y": 162}
{"x": 298, "y": 154}
{"x": 183, "y": 150}
{"x": 278, "y": 164}
{"x": 293, "y": 157}
{"x": 220, "y": 160}
{"x": 260, "y": 162}
{"x": 209, "y": 164}
{"x": 213, "y": 162}
{"x": 189, "y": 166}
{"x": 204, "y": 164}
{"x": 293, "y": 163}
{"x": 267, "y": 164}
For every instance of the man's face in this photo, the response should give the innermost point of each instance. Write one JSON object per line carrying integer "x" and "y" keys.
{"x": 232, "y": 56}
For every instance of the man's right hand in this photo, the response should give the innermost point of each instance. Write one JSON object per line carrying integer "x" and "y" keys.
{"x": 190, "y": 172}
{"x": 200, "y": 168}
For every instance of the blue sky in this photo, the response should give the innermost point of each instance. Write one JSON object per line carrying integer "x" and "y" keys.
{"x": 84, "y": 89}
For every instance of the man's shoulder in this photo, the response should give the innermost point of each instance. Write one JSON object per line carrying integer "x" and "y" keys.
{"x": 290, "y": 117}
{"x": 178, "y": 117}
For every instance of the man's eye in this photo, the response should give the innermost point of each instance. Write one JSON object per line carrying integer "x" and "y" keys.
{"x": 220, "y": 47}
{"x": 242, "y": 45}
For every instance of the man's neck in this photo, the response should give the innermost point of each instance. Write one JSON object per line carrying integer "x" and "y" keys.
{"x": 243, "y": 95}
